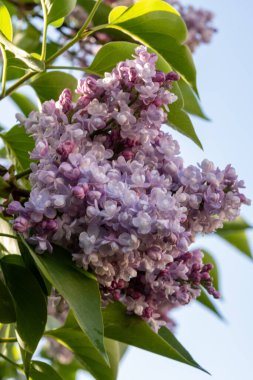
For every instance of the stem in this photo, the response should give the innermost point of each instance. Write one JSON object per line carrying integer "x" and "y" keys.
{"x": 10, "y": 361}
{"x": 85, "y": 69}
{"x": 23, "y": 174}
{"x": 90, "y": 17}
{"x": 4, "y": 70}
{"x": 44, "y": 39}
{"x": 72, "y": 42}
{"x": 9, "y": 236}
{"x": 18, "y": 83}
{"x": 8, "y": 340}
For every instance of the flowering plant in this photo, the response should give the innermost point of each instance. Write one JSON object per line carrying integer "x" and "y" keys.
{"x": 99, "y": 200}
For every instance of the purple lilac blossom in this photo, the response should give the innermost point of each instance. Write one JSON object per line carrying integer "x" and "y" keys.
{"x": 111, "y": 186}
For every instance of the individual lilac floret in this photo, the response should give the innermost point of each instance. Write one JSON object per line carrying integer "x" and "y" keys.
{"x": 111, "y": 187}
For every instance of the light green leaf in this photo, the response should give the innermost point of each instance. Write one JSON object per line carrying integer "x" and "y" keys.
{"x": 115, "y": 13}
{"x": 43, "y": 371}
{"x": 18, "y": 145}
{"x": 57, "y": 9}
{"x": 7, "y": 311}
{"x": 5, "y": 22}
{"x": 237, "y": 239}
{"x": 50, "y": 85}
{"x": 24, "y": 103}
{"x": 180, "y": 121}
{"x": 58, "y": 23}
{"x": 170, "y": 21}
{"x": 79, "y": 290}
{"x": 29, "y": 302}
{"x": 191, "y": 101}
{"x": 237, "y": 225}
{"x": 134, "y": 331}
{"x": 77, "y": 341}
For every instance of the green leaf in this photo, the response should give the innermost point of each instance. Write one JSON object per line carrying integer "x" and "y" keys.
{"x": 31, "y": 266}
{"x": 23, "y": 103}
{"x": 208, "y": 258}
{"x": 57, "y": 9}
{"x": 77, "y": 341}
{"x": 18, "y": 145}
{"x": 237, "y": 239}
{"x": 180, "y": 121}
{"x": 32, "y": 63}
{"x": 136, "y": 16}
{"x": 79, "y": 290}
{"x": 43, "y": 371}
{"x": 134, "y": 331}
{"x": 27, "y": 39}
{"x": 7, "y": 311}
{"x": 191, "y": 101}
{"x": 205, "y": 300}
{"x": 50, "y": 85}
{"x": 29, "y": 302}
{"x": 5, "y": 22}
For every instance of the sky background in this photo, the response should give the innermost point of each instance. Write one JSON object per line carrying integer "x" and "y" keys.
{"x": 225, "y": 84}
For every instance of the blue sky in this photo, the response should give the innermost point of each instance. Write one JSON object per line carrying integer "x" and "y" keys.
{"x": 225, "y": 84}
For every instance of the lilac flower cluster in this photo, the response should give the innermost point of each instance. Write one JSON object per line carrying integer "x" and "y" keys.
{"x": 111, "y": 187}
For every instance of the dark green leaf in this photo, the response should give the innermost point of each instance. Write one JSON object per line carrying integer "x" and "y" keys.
{"x": 101, "y": 16}
{"x": 134, "y": 331}
{"x": 4, "y": 188}
{"x": 74, "y": 338}
{"x": 205, "y": 300}
{"x": 50, "y": 85}
{"x": 29, "y": 302}
{"x": 23, "y": 103}
{"x": 208, "y": 258}
{"x": 80, "y": 291}
{"x": 7, "y": 311}
{"x": 43, "y": 371}
{"x": 30, "y": 264}
{"x": 18, "y": 145}
{"x": 57, "y": 9}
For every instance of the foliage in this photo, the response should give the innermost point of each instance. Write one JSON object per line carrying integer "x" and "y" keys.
{"x": 96, "y": 339}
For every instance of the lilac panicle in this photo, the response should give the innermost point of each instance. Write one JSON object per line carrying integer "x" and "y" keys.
{"x": 112, "y": 188}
